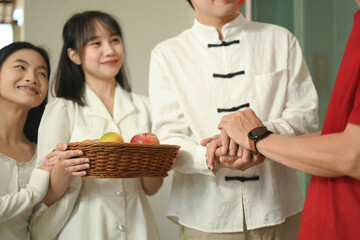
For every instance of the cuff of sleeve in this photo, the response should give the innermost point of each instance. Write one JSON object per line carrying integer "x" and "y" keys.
{"x": 39, "y": 180}
{"x": 270, "y": 127}
{"x": 41, "y": 207}
{"x": 200, "y": 152}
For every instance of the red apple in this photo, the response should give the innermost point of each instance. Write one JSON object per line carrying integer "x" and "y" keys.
{"x": 145, "y": 138}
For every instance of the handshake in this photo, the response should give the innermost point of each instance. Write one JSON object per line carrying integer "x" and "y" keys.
{"x": 235, "y": 146}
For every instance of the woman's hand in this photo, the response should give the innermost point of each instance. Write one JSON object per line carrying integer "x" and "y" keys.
{"x": 68, "y": 160}
{"x": 173, "y": 162}
{"x": 246, "y": 161}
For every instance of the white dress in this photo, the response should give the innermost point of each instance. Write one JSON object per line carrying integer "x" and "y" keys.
{"x": 21, "y": 188}
{"x": 96, "y": 208}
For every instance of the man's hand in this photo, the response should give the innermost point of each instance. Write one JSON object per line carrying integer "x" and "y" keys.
{"x": 213, "y": 151}
{"x": 238, "y": 125}
{"x": 218, "y": 156}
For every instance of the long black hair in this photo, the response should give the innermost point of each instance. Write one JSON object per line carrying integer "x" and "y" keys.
{"x": 34, "y": 116}
{"x": 77, "y": 31}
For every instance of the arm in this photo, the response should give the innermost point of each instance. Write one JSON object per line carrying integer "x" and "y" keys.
{"x": 65, "y": 167}
{"x": 151, "y": 185}
{"x": 300, "y": 104}
{"x": 331, "y": 155}
{"x": 15, "y": 203}
{"x": 169, "y": 123}
{"x": 47, "y": 222}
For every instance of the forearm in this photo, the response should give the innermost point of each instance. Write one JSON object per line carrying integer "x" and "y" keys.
{"x": 315, "y": 134}
{"x": 59, "y": 182}
{"x": 16, "y": 203}
{"x": 331, "y": 155}
{"x": 151, "y": 185}
{"x": 47, "y": 222}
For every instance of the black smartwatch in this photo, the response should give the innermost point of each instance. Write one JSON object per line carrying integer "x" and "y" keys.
{"x": 255, "y": 135}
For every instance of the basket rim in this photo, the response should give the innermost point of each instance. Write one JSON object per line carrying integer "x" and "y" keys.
{"x": 116, "y": 160}
{"x": 128, "y": 145}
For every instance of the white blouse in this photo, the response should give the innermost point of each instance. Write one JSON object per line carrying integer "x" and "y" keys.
{"x": 21, "y": 188}
{"x": 195, "y": 79}
{"x": 95, "y": 208}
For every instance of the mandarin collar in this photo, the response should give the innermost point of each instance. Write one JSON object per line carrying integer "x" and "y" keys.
{"x": 209, "y": 34}
{"x": 123, "y": 104}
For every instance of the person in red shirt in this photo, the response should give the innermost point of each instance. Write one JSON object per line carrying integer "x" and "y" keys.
{"x": 332, "y": 156}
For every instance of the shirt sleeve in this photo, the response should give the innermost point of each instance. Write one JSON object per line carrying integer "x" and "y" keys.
{"x": 15, "y": 203}
{"x": 355, "y": 112}
{"x": 46, "y": 222}
{"x": 169, "y": 123}
{"x": 300, "y": 114}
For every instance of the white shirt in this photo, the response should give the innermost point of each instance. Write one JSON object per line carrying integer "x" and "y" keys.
{"x": 194, "y": 81}
{"x": 95, "y": 208}
{"x": 21, "y": 188}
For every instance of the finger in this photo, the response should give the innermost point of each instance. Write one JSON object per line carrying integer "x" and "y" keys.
{"x": 80, "y": 173}
{"x": 73, "y": 162}
{"x": 77, "y": 168}
{"x": 242, "y": 162}
{"x": 227, "y": 161}
{"x": 249, "y": 165}
{"x": 233, "y": 148}
{"x": 240, "y": 152}
{"x": 205, "y": 141}
{"x": 61, "y": 147}
{"x": 71, "y": 153}
{"x": 172, "y": 163}
{"x": 50, "y": 162}
{"x": 224, "y": 142}
{"x": 63, "y": 154}
{"x": 50, "y": 155}
{"x": 247, "y": 157}
{"x": 210, "y": 158}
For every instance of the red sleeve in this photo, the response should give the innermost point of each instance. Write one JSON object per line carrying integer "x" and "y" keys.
{"x": 355, "y": 112}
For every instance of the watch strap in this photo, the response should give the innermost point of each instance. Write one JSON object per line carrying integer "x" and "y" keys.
{"x": 267, "y": 133}
{"x": 252, "y": 146}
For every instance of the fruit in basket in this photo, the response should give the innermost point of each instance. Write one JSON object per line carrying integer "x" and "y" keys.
{"x": 88, "y": 141}
{"x": 111, "y": 137}
{"x": 145, "y": 138}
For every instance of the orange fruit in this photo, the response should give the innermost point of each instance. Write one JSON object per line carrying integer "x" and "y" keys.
{"x": 111, "y": 137}
{"x": 87, "y": 141}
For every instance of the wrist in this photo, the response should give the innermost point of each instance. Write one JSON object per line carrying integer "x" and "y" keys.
{"x": 255, "y": 135}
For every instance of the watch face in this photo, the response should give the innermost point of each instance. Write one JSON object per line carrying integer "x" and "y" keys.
{"x": 259, "y": 131}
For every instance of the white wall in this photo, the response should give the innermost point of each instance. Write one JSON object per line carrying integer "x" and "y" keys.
{"x": 145, "y": 23}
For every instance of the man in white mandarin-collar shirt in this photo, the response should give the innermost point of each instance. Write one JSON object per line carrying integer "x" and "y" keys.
{"x": 223, "y": 64}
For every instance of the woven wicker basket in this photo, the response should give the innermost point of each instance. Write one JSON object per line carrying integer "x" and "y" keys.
{"x": 126, "y": 160}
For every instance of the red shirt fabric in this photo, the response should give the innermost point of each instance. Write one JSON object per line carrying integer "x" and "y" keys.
{"x": 332, "y": 205}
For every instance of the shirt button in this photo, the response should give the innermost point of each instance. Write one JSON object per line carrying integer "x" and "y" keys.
{"x": 122, "y": 228}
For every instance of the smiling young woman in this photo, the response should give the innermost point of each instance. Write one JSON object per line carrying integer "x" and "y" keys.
{"x": 24, "y": 76}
